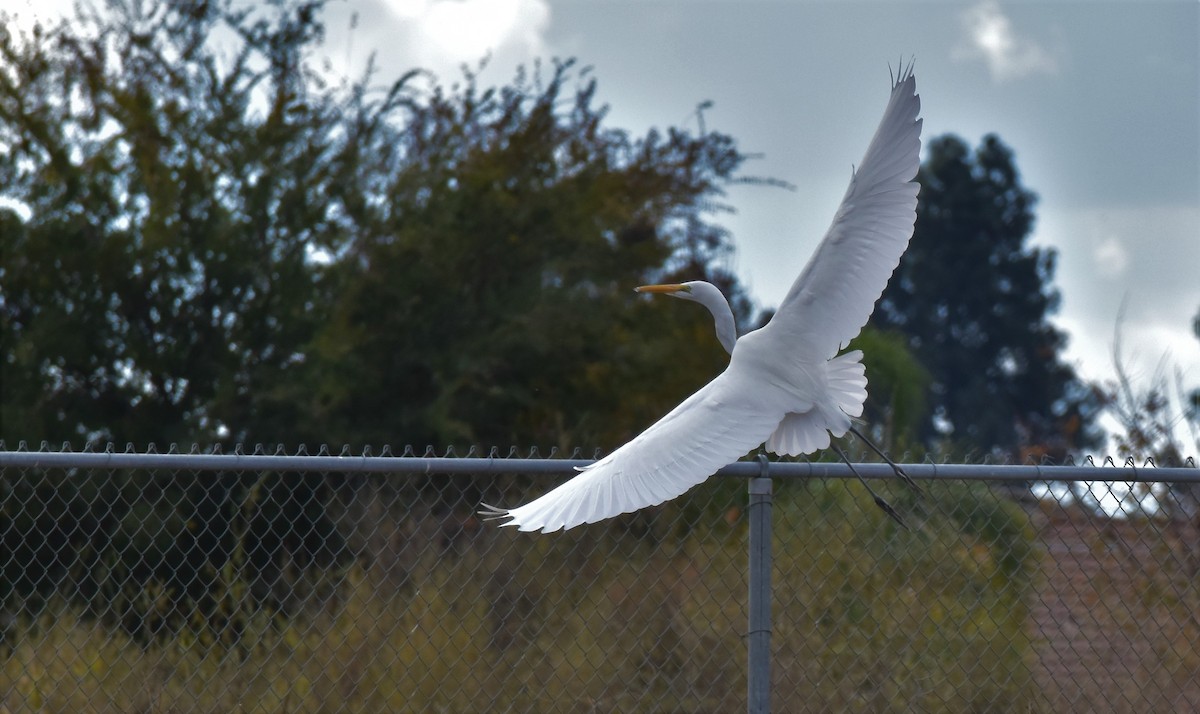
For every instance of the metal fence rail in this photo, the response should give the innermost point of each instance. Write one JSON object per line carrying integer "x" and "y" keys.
{"x": 285, "y": 582}
{"x": 346, "y": 462}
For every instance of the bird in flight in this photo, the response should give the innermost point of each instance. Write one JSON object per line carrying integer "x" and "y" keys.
{"x": 786, "y": 384}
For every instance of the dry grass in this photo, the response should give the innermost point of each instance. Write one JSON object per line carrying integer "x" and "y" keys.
{"x": 867, "y": 618}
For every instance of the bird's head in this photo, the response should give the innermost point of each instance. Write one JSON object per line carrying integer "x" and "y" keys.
{"x": 692, "y": 290}
{"x": 707, "y": 295}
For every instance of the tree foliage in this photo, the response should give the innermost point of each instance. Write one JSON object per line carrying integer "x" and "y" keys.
{"x": 485, "y": 294}
{"x": 172, "y": 196}
{"x": 220, "y": 245}
{"x": 974, "y": 299}
{"x": 897, "y": 397}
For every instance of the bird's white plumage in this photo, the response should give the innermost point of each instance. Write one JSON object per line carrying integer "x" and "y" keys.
{"x": 713, "y": 427}
{"x": 785, "y": 383}
{"x": 833, "y": 297}
{"x": 806, "y": 431}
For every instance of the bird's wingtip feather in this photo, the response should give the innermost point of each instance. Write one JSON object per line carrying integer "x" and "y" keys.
{"x": 903, "y": 72}
{"x": 491, "y": 513}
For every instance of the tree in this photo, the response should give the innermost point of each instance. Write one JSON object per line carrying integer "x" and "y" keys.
{"x": 227, "y": 248}
{"x": 486, "y": 292}
{"x": 896, "y": 406}
{"x": 163, "y": 268}
{"x": 974, "y": 301}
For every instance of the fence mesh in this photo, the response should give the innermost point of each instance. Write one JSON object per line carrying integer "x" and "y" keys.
{"x": 202, "y": 591}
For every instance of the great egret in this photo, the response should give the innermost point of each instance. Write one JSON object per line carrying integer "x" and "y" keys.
{"x": 786, "y": 385}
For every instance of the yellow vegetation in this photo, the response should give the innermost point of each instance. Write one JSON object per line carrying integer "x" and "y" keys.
{"x": 643, "y": 614}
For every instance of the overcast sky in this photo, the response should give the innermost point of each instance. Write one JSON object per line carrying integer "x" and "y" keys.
{"x": 1100, "y": 102}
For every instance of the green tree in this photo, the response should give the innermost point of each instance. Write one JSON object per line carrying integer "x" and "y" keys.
{"x": 226, "y": 248}
{"x": 172, "y": 197}
{"x": 897, "y": 395}
{"x": 485, "y": 294}
{"x": 974, "y": 300}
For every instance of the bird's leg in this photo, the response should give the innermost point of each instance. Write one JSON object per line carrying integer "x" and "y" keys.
{"x": 887, "y": 507}
{"x": 895, "y": 467}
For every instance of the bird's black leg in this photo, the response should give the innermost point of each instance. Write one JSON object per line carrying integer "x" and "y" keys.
{"x": 887, "y": 507}
{"x": 895, "y": 467}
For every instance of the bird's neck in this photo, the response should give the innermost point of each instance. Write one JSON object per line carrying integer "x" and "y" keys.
{"x": 723, "y": 322}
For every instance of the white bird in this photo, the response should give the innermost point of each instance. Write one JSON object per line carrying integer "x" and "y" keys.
{"x": 786, "y": 385}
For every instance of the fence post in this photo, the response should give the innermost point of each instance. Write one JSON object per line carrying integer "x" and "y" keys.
{"x": 759, "y": 637}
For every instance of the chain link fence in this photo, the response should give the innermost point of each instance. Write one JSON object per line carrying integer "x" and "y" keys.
{"x": 295, "y": 583}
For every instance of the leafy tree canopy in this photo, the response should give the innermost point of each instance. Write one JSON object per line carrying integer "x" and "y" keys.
{"x": 218, "y": 244}
{"x": 486, "y": 293}
{"x": 974, "y": 300}
{"x": 897, "y": 395}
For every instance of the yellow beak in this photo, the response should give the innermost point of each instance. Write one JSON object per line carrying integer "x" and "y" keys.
{"x": 671, "y": 288}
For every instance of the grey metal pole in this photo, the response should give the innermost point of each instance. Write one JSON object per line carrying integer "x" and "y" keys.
{"x": 566, "y": 467}
{"x": 759, "y": 637}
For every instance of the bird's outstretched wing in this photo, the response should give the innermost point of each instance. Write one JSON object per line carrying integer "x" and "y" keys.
{"x": 834, "y": 296}
{"x": 713, "y": 427}
{"x": 825, "y": 308}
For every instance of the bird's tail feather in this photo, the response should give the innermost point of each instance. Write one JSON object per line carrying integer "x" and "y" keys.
{"x": 806, "y": 432}
{"x": 848, "y": 387}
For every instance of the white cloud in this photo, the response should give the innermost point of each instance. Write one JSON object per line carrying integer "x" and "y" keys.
{"x": 1110, "y": 257}
{"x": 1155, "y": 289}
{"x": 990, "y": 36}
{"x": 447, "y": 33}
